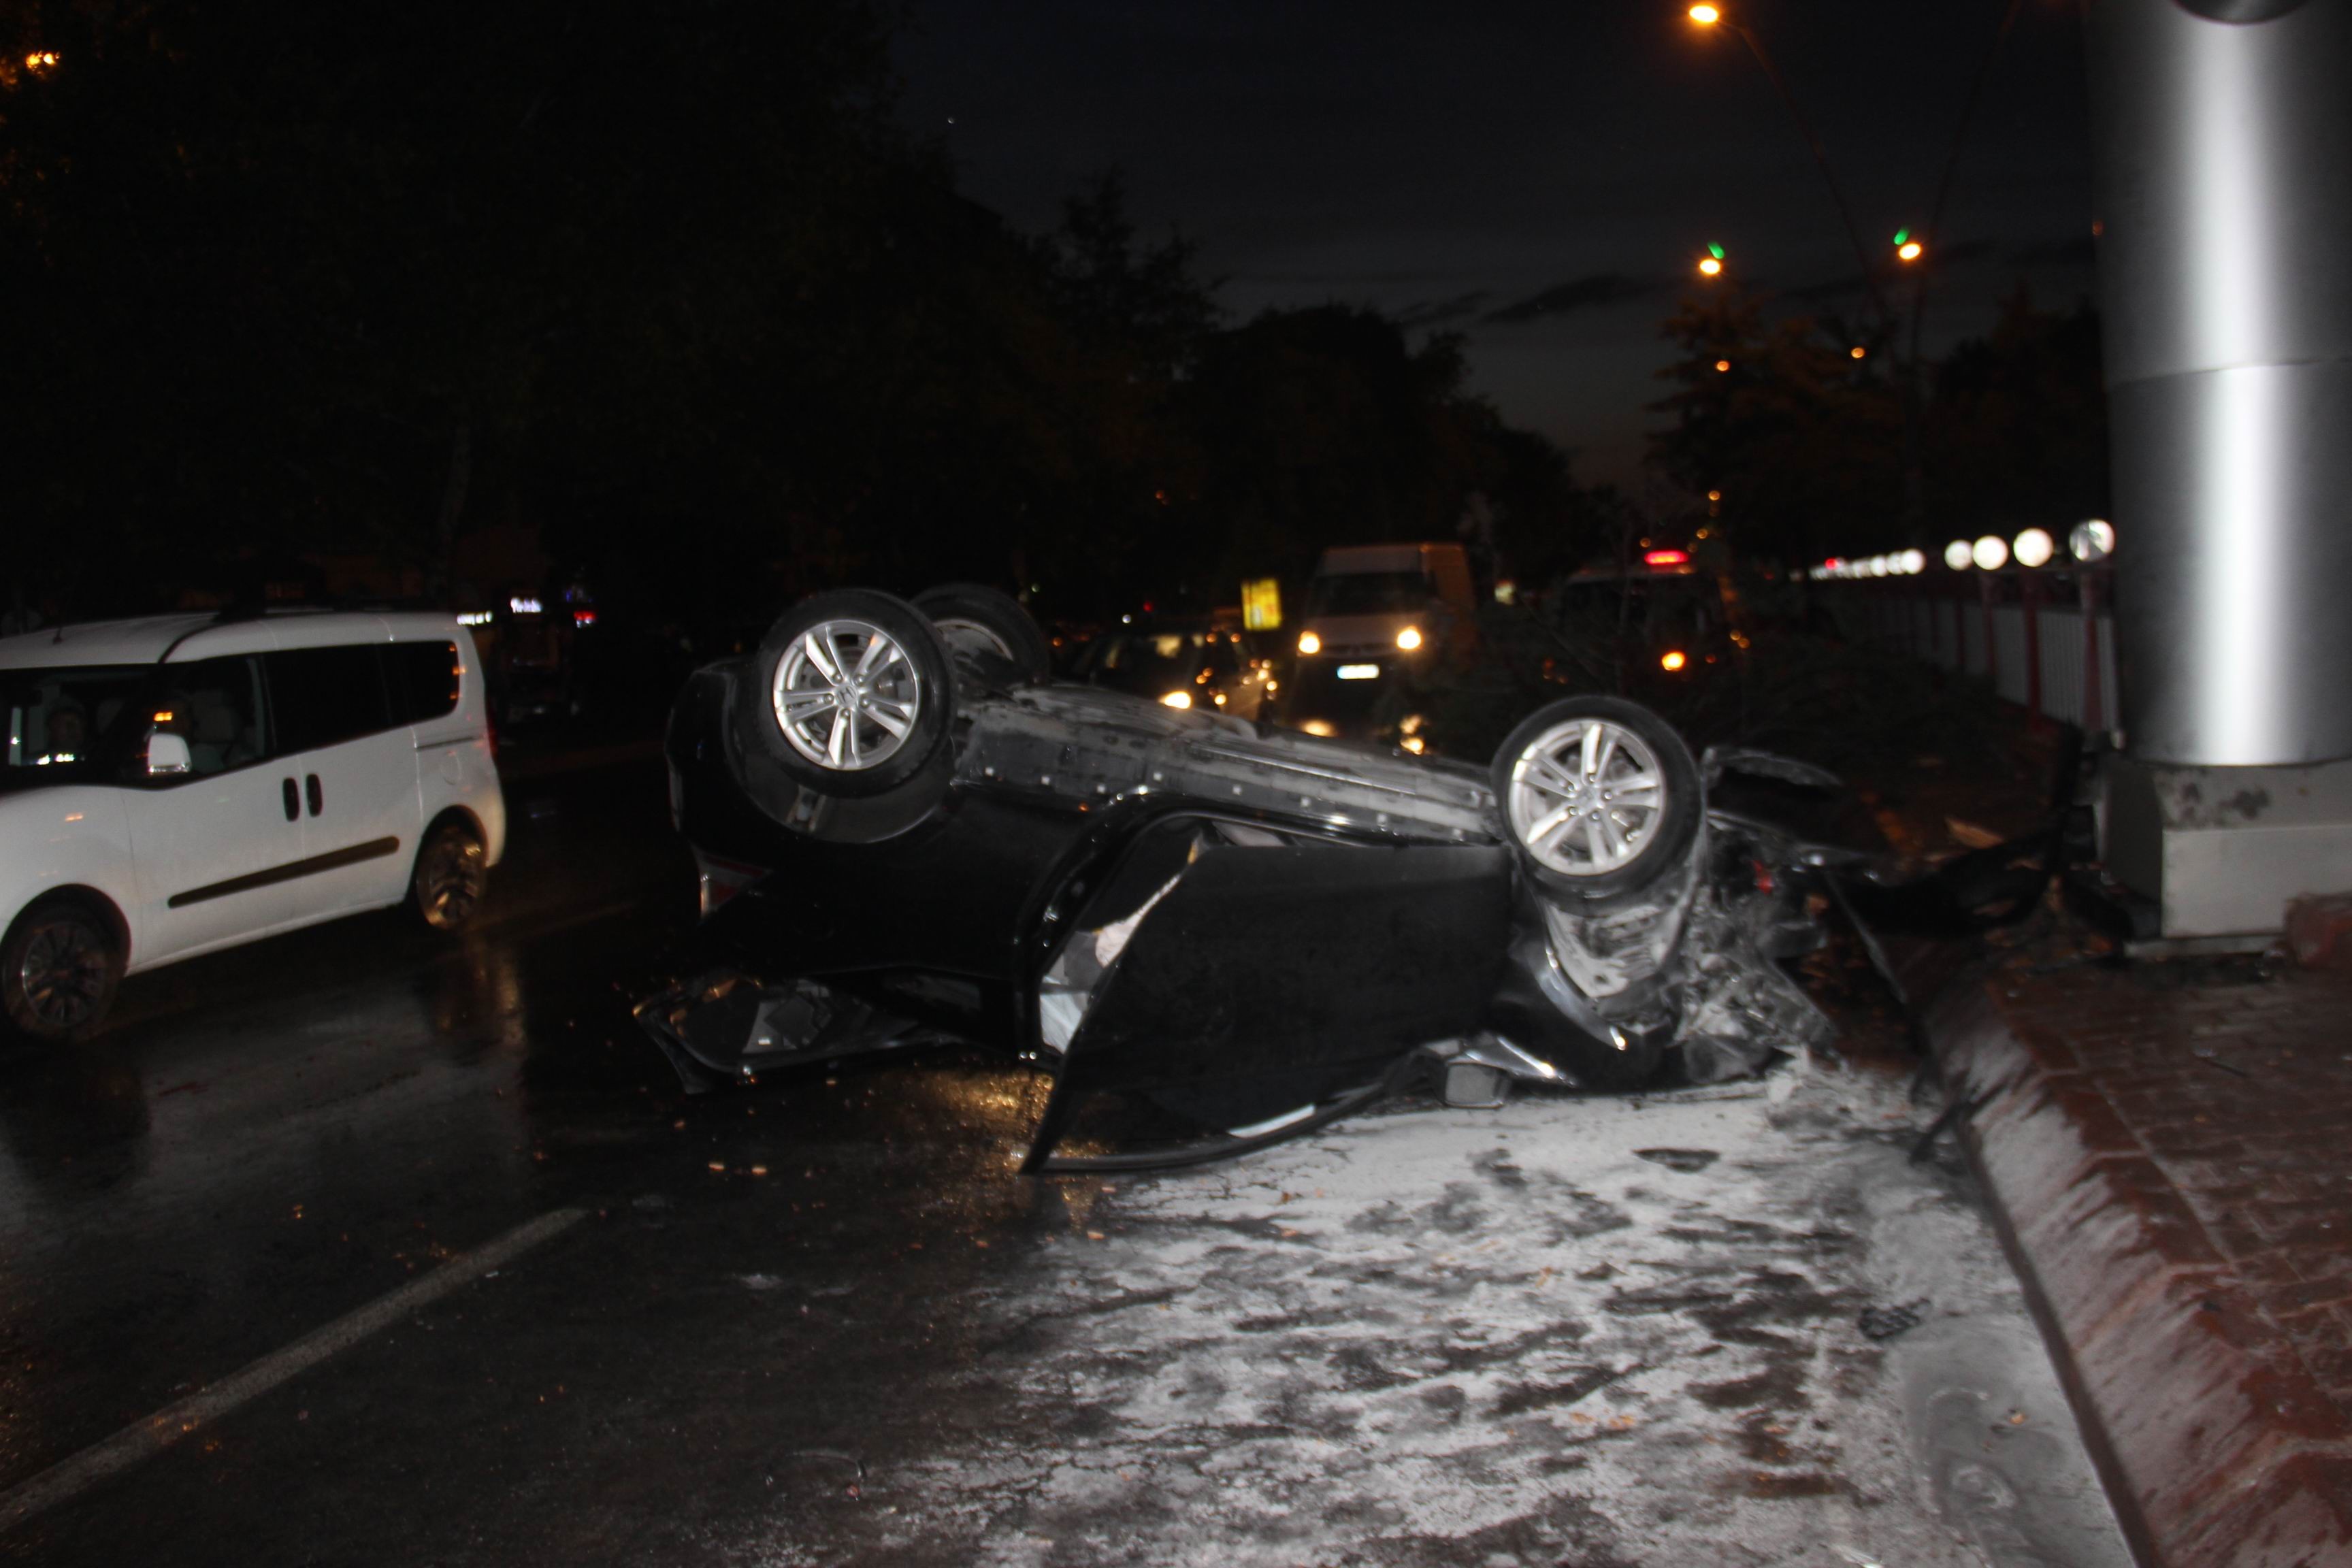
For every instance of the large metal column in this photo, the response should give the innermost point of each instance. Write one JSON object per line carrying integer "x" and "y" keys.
{"x": 2224, "y": 163}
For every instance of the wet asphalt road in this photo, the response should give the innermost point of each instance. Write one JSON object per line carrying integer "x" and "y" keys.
{"x": 269, "y": 1138}
{"x": 823, "y": 1320}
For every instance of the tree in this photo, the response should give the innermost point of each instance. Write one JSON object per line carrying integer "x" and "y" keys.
{"x": 1801, "y": 438}
{"x": 2017, "y": 430}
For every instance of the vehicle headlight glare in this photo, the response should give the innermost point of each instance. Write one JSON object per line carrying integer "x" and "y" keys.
{"x": 1178, "y": 700}
{"x": 1309, "y": 642}
{"x": 1409, "y": 638}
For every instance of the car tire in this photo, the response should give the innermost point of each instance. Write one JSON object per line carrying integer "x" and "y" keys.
{"x": 60, "y": 967}
{"x": 1599, "y": 795}
{"x": 451, "y": 875}
{"x": 988, "y": 630}
{"x": 851, "y": 695}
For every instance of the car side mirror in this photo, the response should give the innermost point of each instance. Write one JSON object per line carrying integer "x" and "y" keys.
{"x": 166, "y": 753}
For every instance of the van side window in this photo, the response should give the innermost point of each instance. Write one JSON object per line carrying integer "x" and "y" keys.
{"x": 323, "y": 696}
{"x": 216, "y": 705}
{"x": 423, "y": 678}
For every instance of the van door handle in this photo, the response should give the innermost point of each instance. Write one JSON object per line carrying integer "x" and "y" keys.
{"x": 293, "y": 801}
{"x": 311, "y": 787}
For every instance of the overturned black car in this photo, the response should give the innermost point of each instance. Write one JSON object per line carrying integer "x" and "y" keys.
{"x": 909, "y": 834}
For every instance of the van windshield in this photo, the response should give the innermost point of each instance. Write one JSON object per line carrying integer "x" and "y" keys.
{"x": 66, "y": 724}
{"x": 1369, "y": 592}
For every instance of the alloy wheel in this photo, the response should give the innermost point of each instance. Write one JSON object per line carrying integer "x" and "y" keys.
{"x": 847, "y": 695}
{"x": 450, "y": 881}
{"x": 64, "y": 974}
{"x": 1586, "y": 797}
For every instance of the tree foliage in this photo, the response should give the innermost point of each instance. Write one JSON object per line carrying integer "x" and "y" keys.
{"x": 666, "y": 288}
{"x": 1806, "y": 441}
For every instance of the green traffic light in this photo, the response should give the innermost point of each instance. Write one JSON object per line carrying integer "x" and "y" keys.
{"x": 1716, "y": 251}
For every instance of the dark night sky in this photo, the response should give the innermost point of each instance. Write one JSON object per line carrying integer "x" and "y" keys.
{"x": 1450, "y": 163}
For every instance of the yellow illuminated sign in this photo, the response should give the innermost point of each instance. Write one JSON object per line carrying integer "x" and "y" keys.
{"x": 1262, "y": 603}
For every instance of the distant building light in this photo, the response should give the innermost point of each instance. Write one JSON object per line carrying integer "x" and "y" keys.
{"x": 523, "y": 605}
{"x": 1723, "y": 365}
{"x": 474, "y": 618}
{"x": 584, "y": 618}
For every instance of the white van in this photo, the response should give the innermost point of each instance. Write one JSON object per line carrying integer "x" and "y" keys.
{"x": 183, "y": 783}
{"x": 1378, "y": 601}
{"x": 1373, "y": 610}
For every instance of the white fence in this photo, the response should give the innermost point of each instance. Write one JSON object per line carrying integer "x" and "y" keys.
{"x": 1950, "y": 630}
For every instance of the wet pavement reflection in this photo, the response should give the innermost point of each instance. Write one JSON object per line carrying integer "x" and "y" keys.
{"x": 823, "y": 1319}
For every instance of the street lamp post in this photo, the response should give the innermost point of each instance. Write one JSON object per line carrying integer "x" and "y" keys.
{"x": 1715, "y": 16}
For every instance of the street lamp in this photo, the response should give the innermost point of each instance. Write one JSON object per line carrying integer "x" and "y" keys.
{"x": 1709, "y": 15}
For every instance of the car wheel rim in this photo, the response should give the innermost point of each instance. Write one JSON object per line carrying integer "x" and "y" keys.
{"x": 63, "y": 975}
{"x": 846, "y": 696}
{"x": 451, "y": 882}
{"x": 968, "y": 637}
{"x": 1586, "y": 797}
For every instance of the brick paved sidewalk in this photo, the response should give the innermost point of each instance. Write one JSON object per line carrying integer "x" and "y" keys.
{"x": 2169, "y": 1149}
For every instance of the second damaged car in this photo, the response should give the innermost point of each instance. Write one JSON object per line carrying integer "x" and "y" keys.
{"x": 1214, "y": 934}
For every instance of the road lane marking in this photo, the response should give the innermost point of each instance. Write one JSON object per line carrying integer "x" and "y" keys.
{"x": 145, "y": 1439}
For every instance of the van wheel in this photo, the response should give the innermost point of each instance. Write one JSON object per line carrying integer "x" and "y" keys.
{"x": 452, "y": 874}
{"x": 58, "y": 970}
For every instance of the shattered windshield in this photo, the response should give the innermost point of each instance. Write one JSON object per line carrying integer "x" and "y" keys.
{"x": 64, "y": 723}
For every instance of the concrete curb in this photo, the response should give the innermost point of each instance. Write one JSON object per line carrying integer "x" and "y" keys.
{"x": 2217, "y": 1446}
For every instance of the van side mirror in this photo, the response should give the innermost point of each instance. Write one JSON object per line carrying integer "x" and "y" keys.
{"x": 166, "y": 753}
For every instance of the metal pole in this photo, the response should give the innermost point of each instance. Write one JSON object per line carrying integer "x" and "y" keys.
{"x": 2224, "y": 157}
{"x": 1985, "y": 582}
{"x": 2086, "y": 587}
{"x": 2028, "y": 592}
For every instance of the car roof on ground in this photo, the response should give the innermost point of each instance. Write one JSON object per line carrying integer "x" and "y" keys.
{"x": 204, "y": 635}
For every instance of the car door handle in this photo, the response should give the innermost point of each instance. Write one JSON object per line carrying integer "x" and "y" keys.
{"x": 293, "y": 801}
{"x": 311, "y": 787}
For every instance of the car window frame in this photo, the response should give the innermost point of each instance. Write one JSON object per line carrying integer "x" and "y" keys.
{"x": 159, "y": 686}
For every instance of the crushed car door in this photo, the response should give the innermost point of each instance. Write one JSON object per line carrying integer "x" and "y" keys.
{"x": 1266, "y": 981}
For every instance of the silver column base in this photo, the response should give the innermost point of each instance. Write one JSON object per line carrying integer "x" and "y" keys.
{"x": 2220, "y": 851}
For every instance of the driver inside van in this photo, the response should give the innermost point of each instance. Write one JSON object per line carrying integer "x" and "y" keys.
{"x": 69, "y": 732}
